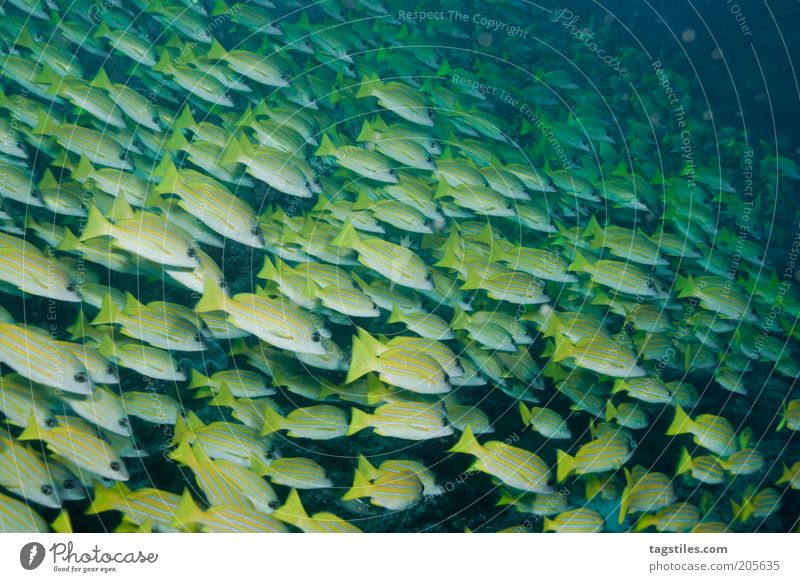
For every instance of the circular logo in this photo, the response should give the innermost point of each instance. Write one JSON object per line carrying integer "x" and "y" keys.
{"x": 31, "y": 555}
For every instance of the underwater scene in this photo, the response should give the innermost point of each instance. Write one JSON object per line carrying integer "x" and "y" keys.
{"x": 385, "y": 266}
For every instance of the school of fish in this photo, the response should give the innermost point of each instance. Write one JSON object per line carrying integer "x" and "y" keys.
{"x": 365, "y": 260}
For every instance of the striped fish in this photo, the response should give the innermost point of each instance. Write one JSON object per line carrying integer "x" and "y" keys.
{"x": 645, "y": 492}
{"x": 394, "y": 491}
{"x": 712, "y": 432}
{"x": 581, "y": 520}
{"x": 25, "y": 473}
{"x": 404, "y": 420}
{"x": 545, "y": 421}
{"x": 293, "y": 513}
{"x": 225, "y": 518}
{"x": 84, "y": 449}
{"x": 597, "y": 456}
{"x": 296, "y": 472}
{"x": 320, "y": 422}
{"x": 158, "y": 327}
{"x": 141, "y": 506}
{"x": 32, "y": 353}
{"x": 19, "y": 517}
{"x": 515, "y": 467}
{"x": 241, "y": 383}
{"x": 147, "y": 360}
{"x": 678, "y": 517}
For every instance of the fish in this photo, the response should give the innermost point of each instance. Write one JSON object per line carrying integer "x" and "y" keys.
{"x": 515, "y": 467}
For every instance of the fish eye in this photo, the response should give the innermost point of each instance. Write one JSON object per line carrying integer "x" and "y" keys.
{"x": 20, "y": 144}
{"x": 272, "y": 505}
{"x": 347, "y": 52}
{"x": 650, "y": 284}
{"x": 429, "y": 159}
{"x": 374, "y": 305}
{"x": 223, "y": 283}
{"x": 47, "y": 489}
{"x": 269, "y": 454}
{"x": 437, "y": 61}
{"x": 178, "y": 368}
{"x": 68, "y": 484}
{"x": 38, "y": 37}
{"x": 351, "y": 69}
{"x": 80, "y": 377}
{"x": 123, "y": 422}
{"x": 155, "y": 119}
{"x": 71, "y": 287}
{"x": 115, "y": 466}
{"x": 429, "y": 277}
{"x": 111, "y": 370}
{"x": 191, "y": 252}
{"x": 445, "y": 422}
{"x": 308, "y": 184}
{"x": 50, "y": 422}
{"x": 426, "y": 222}
{"x": 509, "y": 205}
{"x": 255, "y": 229}
{"x": 122, "y": 156}
{"x": 197, "y": 337}
{"x": 316, "y": 337}
{"x": 284, "y": 77}
{"x": 393, "y": 173}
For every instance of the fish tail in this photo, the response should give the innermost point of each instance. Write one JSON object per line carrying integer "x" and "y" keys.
{"x": 580, "y": 263}
{"x": 68, "y": 242}
{"x": 680, "y": 424}
{"x": 548, "y": 525}
{"x": 223, "y": 397}
{"x": 109, "y": 312}
{"x": 62, "y": 523}
{"x": 367, "y": 132}
{"x": 213, "y": 298}
{"x": 367, "y": 87}
{"x": 525, "y": 413}
{"x": 684, "y": 462}
{"x": 467, "y": 444}
{"x": 188, "y": 513}
{"x": 562, "y": 350}
{"x": 102, "y": 30}
{"x": 625, "y": 503}
{"x": 105, "y": 499}
{"x": 359, "y": 420}
{"x": 360, "y": 488}
{"x": 84, "y": 169}
{"x": 198, "y": 380}
{"x": 565, "y": 465}
{"x": 366, "y": 468}
{"x": 786, "y": 477}
{"x": 326, "y": 147}
{"x": 396, "y": 316}
{"x": 268, "y": 271}
{"x": 177, "y": 141}
{"x": 217, "y": 51}
{"x": 232, "y": 153}
{"x": 185, "y": 120}
{"x": 101, "y": 80}
{"x": 347, "y": 238}
{"x": 96, "y": 224}
{"x": 362, "y": 361}
{"x": 292, "y": 510}
{"x": 611, "y": 411}
{"x": 644, "y": 522}
{"x": 273, "y": 421}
